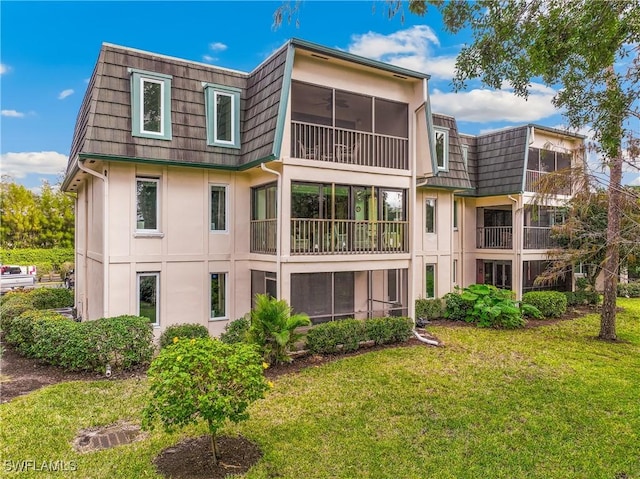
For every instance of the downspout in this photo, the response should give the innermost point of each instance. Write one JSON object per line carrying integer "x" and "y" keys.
{"x": 517, "y": 233}
{"x": 105, "y": 239}
{"x": 278, "y": 230}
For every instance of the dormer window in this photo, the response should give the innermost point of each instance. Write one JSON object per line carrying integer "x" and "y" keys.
{"x": 150, "y": 105}
{"x": 222, "y": 105}
{"x": 441, "y": 140}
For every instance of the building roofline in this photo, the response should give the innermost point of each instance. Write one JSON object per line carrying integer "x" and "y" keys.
{"x": 314, "y": 47}
{"x": 557, "y": 131}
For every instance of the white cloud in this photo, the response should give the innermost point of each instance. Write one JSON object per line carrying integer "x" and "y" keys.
{"x": 208, "y": 58}
{"x": 4, "y": 68}
{"x": 484, "y": 105}
{"x": 411, "y": 48}
{"x": 12, "y": 113}
{"x": 18, "y": 165}
{"x": 65, "y": 93}
{"x": 217, "y": 47}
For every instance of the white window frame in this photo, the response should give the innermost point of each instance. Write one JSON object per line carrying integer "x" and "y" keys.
{"x": 465, "y": 155}
{"x": 226, "y": 208}
{"x": 435, "y": 215}
{"x": 226, "y": 297}
{"x": 157, "y": 182}
{"x": 157, "y": 276}
{"x": 445, "y": 149}
{"x": 163, "y": 106}
{"x": 217, "y": 140}
{"x": 435, "y": 281}
{"x": 454, "y": 273}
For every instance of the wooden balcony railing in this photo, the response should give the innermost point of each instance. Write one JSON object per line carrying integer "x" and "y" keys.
{"x": 263, "y": 236}
{"x": 338, "y": 145}
{"x": 538, "y": 237}
{"x": 320, "y": 237}
{"x": 494, "y": 237}
{"x": 533, "y": 177}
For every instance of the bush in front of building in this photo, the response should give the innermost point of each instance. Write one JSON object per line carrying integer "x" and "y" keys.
{"x": 121, "y": 342}
{"x": 236, "y": 331}
{"x": 14, "y": 305}
{"x": 20, "y": 332}
{"x": 456, "y": 308}
{"x": 430, "y": 308}
{"x": 551, "y": 304}
{"x": 629, "y": 290}
{"x": 346, "y": 334}
{"x": 51, "y": 298}
{"x": 182, "y": 331}
{"x": 582, "y": 298}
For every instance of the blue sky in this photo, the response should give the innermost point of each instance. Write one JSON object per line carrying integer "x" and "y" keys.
{"x": 48, "y": 51}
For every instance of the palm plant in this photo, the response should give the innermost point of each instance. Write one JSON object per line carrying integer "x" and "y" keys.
{"x": 273, "y": 328}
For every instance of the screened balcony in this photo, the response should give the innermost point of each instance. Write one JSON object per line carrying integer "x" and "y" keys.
{"x": 345, "y": 127}
{"x": 541, "y": 163}
{"x": 495, "y": 227}
{"x": 317, "y": 236}
{"x": 538, "y": 221}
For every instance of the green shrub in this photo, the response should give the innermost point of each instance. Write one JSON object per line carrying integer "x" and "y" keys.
{"x": 182, "y": 331}
{"x": 37, "y": 256}
{"x": 393, "y": 329}
{"x": 550, "y": 303}
{"x": 12, "y": 307}
{"x": 50, "y": 298}
{"x": 629, "y": 290}
{"x": 582, "y": 298}
{"x": 430, "y": 308}
{"x": 457, "y": 308}
{"x": 9, "y": 295}
{"x": 273, "y": 328}
{"x": 325, "y": 338}
{"x": 121, "y": 342}
{"x": 203, "y": 379}
{"x": 20, "y": 332}
{"x": 236, "y": 331}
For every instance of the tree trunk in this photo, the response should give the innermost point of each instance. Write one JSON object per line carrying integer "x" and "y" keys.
{"x": 214, "y": 446}
{"x": 612, "y": 260}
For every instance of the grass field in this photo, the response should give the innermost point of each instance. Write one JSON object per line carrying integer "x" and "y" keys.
{"x": 550, "y": 402}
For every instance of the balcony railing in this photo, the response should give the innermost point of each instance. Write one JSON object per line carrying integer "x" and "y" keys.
{"x": 494, "y": 237}
{"x": 338, "y": 145}
{"x": 533, "y": 177}
{"x": 538, "y": 237}
{"x": 320, "y": 237}
{"x": 263, "y": 236}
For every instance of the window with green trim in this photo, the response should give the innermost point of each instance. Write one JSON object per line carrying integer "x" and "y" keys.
{"x": 150, "y": 105}
{"x": 222, "y": 105}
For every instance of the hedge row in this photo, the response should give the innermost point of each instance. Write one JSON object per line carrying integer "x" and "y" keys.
{"x": 14, "y": 303}
{"x": 629, "y": 290}
{"x": 325, "y": 338}
{"x": 430, "y": 308}
{"x": 551, "y": 304}
{"x": 182, "y": 331}
{"x": 27, "y": 256}
{"x": 121, "y": 342}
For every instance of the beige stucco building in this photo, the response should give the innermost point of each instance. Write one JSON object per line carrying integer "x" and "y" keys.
{"x": 320, "y": 177}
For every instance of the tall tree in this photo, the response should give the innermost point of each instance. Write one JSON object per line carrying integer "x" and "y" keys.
{"x": 586, "y": 49}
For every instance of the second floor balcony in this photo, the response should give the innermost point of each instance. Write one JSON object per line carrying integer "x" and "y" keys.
{"x": 538, "y": 237}
{"x": 494, "y": 237}
{"x": 339, "y": 145}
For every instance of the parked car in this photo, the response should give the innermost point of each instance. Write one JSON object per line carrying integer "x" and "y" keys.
{"x": 9, "y": 282}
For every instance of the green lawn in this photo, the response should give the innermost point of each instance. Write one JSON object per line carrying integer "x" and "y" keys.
{"x": 550, "y": 402}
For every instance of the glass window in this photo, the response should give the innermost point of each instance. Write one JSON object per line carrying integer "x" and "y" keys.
{"x": 263, "y": 205}
{"x": 430, "y": 281}
{"x": 442, "y": 148}
{"x": 392, "y": 118}
{"x": 263, "y": 282}
{"x": 547, "y": 161}
{"x": 224, "y": 117}
{"x": 455, "y": 214}
{"x": 430, "y": 215}
{"x": 147, "y": 204}
{"x": 148, "y": 296}
{"x": 311, "y": 104}
{"x": 218, "y": 208}
{"x": 150, "y": 105}
{"x": 465, "y": 155}
{"x": 454, "y": 273}
{"x": 218, "y": 295}
{"x": 392, "y": 205}
{"x": 533, "y": 161}
{"x": 222, "y": 106}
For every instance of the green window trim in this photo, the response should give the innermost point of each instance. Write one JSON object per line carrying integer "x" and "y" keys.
{"x": 138, "y": 80}
{"x": 212, "y": 94}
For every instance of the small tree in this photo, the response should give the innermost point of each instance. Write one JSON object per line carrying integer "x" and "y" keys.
{"x": 273, "y": 327}
{"x": 203, "y": 378}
